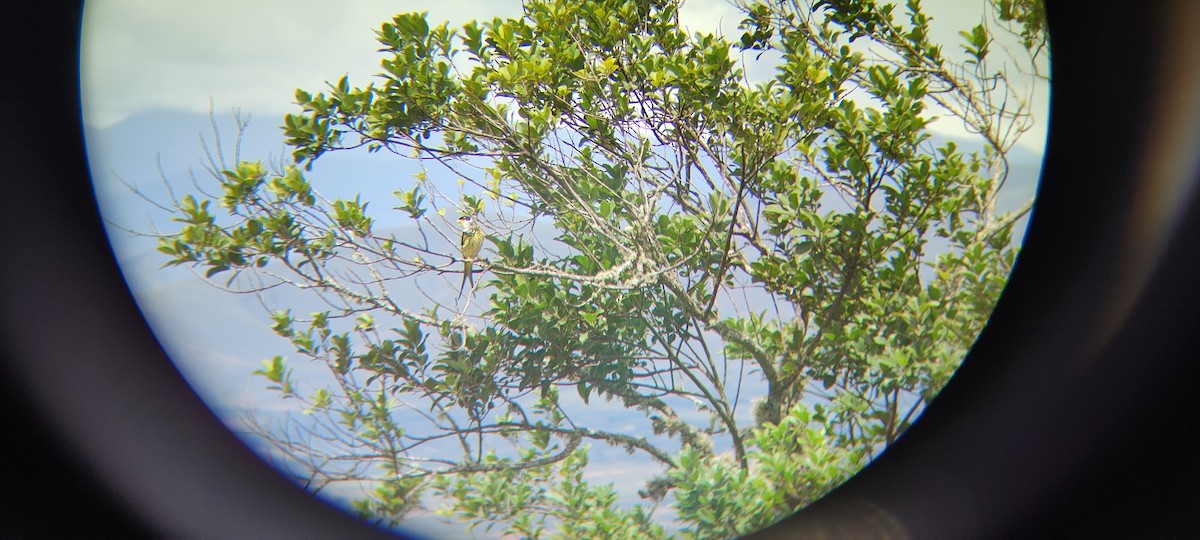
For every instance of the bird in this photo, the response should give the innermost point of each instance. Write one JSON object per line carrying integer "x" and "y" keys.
{"x": 469, "y": 245}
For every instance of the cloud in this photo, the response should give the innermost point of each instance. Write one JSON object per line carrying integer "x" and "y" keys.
{"x": 143, "y": 54}
{"x": 715, "y": 16}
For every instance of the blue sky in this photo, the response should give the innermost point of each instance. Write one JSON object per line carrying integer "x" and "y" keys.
{"x": 150, "y": 72}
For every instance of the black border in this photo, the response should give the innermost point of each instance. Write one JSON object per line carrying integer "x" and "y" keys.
{"x": 1044, "y": 432}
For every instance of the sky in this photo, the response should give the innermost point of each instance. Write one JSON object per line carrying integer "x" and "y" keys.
{"x": 142, "y": 54}
{"x": 151, "y": 70}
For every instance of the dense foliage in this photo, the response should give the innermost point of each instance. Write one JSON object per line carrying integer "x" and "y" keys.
{"x": 778, "y": 274}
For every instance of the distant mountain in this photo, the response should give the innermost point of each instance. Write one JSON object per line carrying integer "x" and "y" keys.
{"x": 216, "y": 339}
{"x": 130, "y": 149}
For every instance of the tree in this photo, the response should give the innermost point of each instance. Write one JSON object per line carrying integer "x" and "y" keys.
{"x": 709, "y": 234}
{"x": 1027, "y": 19}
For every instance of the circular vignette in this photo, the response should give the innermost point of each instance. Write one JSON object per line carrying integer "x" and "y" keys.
{"x": 1080, "y": 372}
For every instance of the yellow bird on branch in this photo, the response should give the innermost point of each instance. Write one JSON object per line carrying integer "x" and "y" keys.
{"x": 469, "y": 245}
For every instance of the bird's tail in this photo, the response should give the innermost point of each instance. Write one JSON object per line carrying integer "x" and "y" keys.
{"x": 468, "y": 275}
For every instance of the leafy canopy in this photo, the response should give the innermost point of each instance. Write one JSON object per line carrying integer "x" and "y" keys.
{"x": 776, "y": 274}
